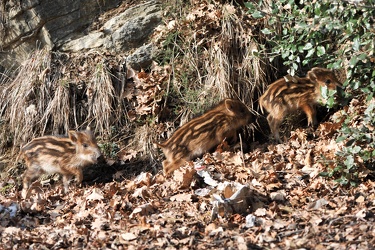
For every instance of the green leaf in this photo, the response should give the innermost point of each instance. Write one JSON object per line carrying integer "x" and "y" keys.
{"x": 266, "y": 31}
{"x": 320, "y": 50}
{"x": 362, "y": 56}
{"x": 324, "y": 92}
{"x": 355, "y": 84}
{"x": 295, "y": 66}
{"x": 258, "y": 14}
{"x": 342, "y": 181}
{"x": 305, "y": 62}
{"x": 317, "y": 10}
{"x": 330, "y": 102}
{"x": 340, "y": 139}
{"x": 285, "y": 54}
{"x": 335, "y": 65}
{"x": 324, "y": 174}
{"x": 349, "y": 162}
{"x": 310, "y": 52}
{"x": 272, "y": 20}
{"x": 250, "y": 6}
{"x": 307, "y": 46}
{"x": 291, "y": 71}
{"x": 356, "y": 149}
{"x": 353, "y": 61}
{"x": 356, "y": 44}
{"x": 353, "y": 183}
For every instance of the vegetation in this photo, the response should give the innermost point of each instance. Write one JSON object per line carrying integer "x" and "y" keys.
{"x": 216, "y": 51}
{"x": 212, "y": 57}
{"x": 208, "y": 50}
{"x": 42, "y": 99}
{"x": 293, "y": 37}
{"x": 338, "y": 35}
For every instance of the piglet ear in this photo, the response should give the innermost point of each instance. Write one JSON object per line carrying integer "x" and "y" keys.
{"x": 229, "y": 105}
{"x": 73, "y": 136}
{"x": 312, "y": 76}
{"x": 316, "y": 71}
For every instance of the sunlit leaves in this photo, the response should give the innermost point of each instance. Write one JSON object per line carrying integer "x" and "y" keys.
{"x": 308, "y": 46}
{"x": 266, "y": 31}
{"x": 335, "y": 34}
{"x": 320, "y": 51}
{"x": 254, "y": 10}
{"x": 356, "y": 43}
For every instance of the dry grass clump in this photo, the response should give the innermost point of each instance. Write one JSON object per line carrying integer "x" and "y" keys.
{"x": 57, "y": 111}
{"x": 100, "y": 93}
{"x": 48, "y": 97}
{"x": 24, "y": 99}
{"x": 234, "y": 66}
{"x": 216, "y": 52}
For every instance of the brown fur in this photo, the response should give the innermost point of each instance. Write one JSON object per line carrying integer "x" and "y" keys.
{"x": 285, "y": 96}
{"x": 204, "y": 133}
{"x": 64, "y": 155}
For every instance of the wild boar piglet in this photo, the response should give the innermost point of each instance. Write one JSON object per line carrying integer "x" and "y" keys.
{"x": 63, "y": 155}
{"x": 288, "y": 95}
{"x": 204, "y": 133}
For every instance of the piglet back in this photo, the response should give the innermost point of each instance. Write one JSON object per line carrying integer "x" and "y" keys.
{"x": 52, "y": 146}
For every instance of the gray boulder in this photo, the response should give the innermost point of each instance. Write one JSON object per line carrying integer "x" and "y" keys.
{"x": 62, "y": 25}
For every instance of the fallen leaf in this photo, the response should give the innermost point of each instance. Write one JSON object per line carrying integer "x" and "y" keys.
{"x": 317, "y": 204}
{"x": 96, "y": 194}
{"x": 128, "y": 236}
{"x": 143, "y": 178}
{"x": 360, "y": 199}
{"x": 181, "y": 197}
{"x": 127, "y": 155}
{"x": 277, "y": 196}
{"x": 260, "y": 212}
{"x": 144, "y": 209}
{"x": 361, "y": 213}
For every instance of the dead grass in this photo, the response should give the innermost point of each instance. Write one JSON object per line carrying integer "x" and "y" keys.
{"x": 216, "y": 56}
{"x": 47, "y": 97}
{"x": 58, "y": 110}
{"x": 237, "y": 69}
{"x": 24, "y": 99}
{"x": 100, "y": 93}
{"x": 143, "y": 141}
{"x": 223, "y": 56}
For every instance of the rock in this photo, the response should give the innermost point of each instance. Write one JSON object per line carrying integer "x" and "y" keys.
{"x": 134, "y": 26}
{"x": 91, "y": 41}
{"x": 141, "y": 58}
{"x": 63, "y": 25}
{"x": 34, "y": 24}
{"x": 123, "y": 32}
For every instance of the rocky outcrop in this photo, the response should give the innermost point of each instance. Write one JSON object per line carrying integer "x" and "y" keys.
{"x": 63, "y": 25}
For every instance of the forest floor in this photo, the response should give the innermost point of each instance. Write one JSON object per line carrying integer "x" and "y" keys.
{"x": 270, "y": 198}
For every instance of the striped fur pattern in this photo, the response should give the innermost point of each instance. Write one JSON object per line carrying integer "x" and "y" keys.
{"x": 204, "y": 133}
{"x": 287, "y": 95}
{"x": 64, "y": 155}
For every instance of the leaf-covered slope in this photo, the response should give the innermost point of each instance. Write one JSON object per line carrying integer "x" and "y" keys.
{"x": 281, "y": 203}
{"x": 272, "y": 197}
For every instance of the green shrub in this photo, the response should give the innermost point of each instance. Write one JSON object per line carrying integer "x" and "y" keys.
{"x": 337, "y": 35}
